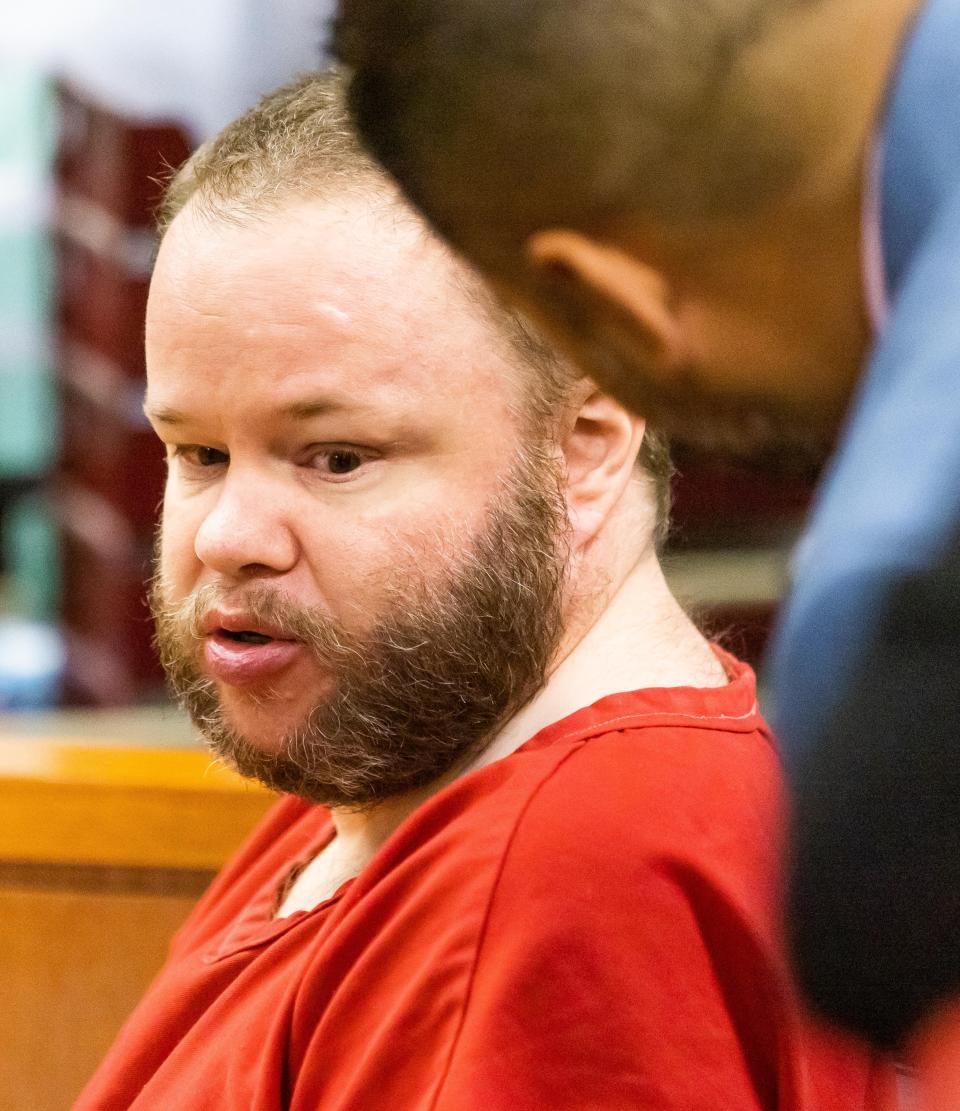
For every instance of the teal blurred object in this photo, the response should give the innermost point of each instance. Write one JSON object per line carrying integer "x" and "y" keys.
{"x": 27, "y": 405}
{"x": 27, "y": 424}
{"x": 29, "y": 552}
{"x": 28, "y": 420}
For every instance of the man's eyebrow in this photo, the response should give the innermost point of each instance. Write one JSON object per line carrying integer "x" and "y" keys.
{"x": 304, "y": 410}
{"x": 299, "y": 410}
{"x": 163, "y": 416}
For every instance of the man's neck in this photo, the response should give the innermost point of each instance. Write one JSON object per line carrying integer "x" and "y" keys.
{"x": 638, "y": 638}
{"x": 642, "y": 638}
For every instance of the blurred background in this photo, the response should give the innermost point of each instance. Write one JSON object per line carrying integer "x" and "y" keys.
{"x": 99, "y": 99}
{"x": 111, "y": 820}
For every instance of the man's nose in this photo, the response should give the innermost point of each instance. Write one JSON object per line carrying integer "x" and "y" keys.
{"x": 247, "y": 530}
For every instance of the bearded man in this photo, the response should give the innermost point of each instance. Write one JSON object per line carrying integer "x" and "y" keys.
{"x": 408, "y": 576}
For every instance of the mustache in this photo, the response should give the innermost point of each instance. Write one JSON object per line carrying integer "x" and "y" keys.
{"x": 318, "y": 631}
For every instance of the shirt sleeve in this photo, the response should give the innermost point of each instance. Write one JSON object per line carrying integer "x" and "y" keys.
{"x": 874, "y": 910}
{"x": 622, "y": 964}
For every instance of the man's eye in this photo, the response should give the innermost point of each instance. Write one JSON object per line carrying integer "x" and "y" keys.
{"x": 210, "y": 457}
{"x": 341, "y": 461}
{"x": 199, "y": 456}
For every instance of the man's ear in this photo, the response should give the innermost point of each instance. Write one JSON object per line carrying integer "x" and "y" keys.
{"x": 600, "y": 448}
{"x": 610, "y": 290}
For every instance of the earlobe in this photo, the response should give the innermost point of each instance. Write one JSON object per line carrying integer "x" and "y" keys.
{"x": 612, "y": 289}
{"x": 600, "y": 451}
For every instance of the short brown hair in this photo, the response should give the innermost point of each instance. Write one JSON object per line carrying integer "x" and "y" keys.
{"x": 299, "y": 142}
{"x": 502, "y": 117}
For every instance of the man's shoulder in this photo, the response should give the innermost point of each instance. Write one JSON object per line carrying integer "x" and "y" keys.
{"x": 635, "y": 832}
{"x": 691, "y": 748}
{"x": 604, "y": 812}
{"x": 618, "y": 794}
{"x": 641, "y": 791}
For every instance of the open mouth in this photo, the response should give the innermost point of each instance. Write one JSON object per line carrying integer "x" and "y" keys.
{"x": 239, "y": 656}
{"x": 245, "y": 636}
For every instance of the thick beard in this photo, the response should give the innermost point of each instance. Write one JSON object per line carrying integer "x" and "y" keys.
{"x": 428, "y": 686}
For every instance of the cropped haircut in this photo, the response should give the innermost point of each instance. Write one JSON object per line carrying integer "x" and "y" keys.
{"x": 502, "y": 117}
{"x": 299, "y": 143}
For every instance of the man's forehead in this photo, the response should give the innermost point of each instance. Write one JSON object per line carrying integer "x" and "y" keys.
{"x": 338, "y": 292}
{"x": 283, "y": 384}
{"x": 305, "y": 250}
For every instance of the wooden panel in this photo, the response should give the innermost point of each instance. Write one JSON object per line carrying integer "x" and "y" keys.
{"x": 107, "y": 806}
{"x": 113, "y": 161}
{"x": 103, "y": 851}
{"x": 72, "y": 967}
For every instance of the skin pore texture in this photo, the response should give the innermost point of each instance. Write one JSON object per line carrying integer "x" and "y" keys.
{"x": 739, "y": 328}
{"x": 349, "y": 471}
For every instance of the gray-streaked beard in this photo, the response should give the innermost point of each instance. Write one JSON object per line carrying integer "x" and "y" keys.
{"x": 428, "y": 686}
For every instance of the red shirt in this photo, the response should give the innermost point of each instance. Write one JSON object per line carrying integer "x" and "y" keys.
{"x": 584, "y": 924}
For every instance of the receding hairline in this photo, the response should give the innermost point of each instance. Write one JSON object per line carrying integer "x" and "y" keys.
{"x": 248, "y": 173}
{"x": 377, "y": 196}
{"x": 215, "y": 187}
{"x": 242, "y": 177}
{"x": 298, "y": 140}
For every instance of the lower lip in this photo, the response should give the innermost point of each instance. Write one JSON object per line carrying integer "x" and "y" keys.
{"x": 232, "y": 661}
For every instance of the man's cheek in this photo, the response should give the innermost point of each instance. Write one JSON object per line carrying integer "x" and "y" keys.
{"x": 178, "y": 564}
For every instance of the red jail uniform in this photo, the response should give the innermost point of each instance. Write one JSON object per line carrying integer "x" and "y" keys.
{"x": 587, "y": 923}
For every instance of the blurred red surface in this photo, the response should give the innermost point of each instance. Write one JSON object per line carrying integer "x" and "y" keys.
{"x": 108, "y": 174}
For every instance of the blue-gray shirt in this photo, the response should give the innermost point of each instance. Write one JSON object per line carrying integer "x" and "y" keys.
{"x": 890, "y": 502}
